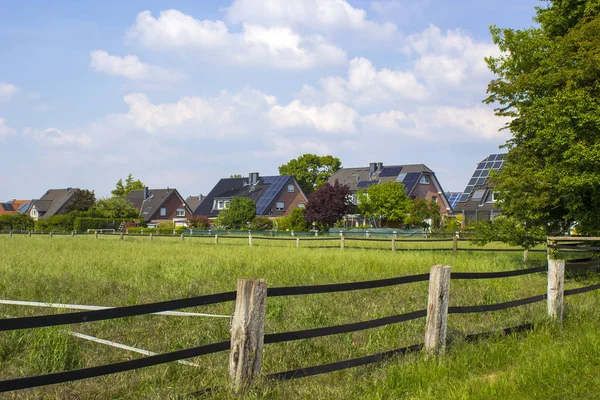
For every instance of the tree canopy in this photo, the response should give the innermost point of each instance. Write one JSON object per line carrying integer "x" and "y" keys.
{"x": 82, "y": 200}
{"x": 311, "y": 170}
{"x": 121, "y": 190}
{"x": 116, "y": 207}
{"x": 240, "y": 212}
{"x": 548, "y": 84}
{"x": 387, "y": 201}
{"x": 328, "y": 204}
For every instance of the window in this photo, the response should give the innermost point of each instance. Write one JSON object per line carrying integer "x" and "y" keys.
{"x": 220, "y": 204}
{"x": 434, "y": 198}
{"x": 300, "y": 205}
{"x": 291, "y": 189}
{"x": 401, "y": 177}
{"x": 279, "y": 206}
{"x": 163, "y": 211}
{"x": 494, "y": 199}
{"x": 424, "y": 180}
{"x": 180, "y": 212}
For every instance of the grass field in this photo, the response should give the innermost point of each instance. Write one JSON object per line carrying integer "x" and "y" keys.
{"x": 549, "y": 362}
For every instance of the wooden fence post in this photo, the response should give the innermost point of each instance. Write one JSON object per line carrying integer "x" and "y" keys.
{"x": 454, "y": 245}
{"x": 50, "y": 235}
{"x": 342, "y": 244}
{"x": 72, "y": 234}
{"x": 182, "y": 237}
{"x": 150, "y": 236}
{"x": 437, "y": 309}
{"x": 394, "y": 241}
{"x": 121, "y": 236}
{"x": 250, "y": 238}
{"x": 556, "y": 287}
{"x": 96, "y": 234}
{"x": 367, "y": 234}
{"x": 297, "y": 242}
{"x": 247, "y": 333}
{"x": 525, "y": 255}
{"x": 10, "y": 234}
{"x": 216, "y": 238}
{"x": 29, "y": 233}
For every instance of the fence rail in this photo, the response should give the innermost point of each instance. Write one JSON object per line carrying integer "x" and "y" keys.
{"x": 438, "y": 314}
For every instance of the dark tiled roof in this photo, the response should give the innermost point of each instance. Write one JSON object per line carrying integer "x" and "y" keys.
{"x": 390, "y": 173}
{"x": 263, "y": 193}
{"x": 194, "y": 201}
{"x": 54, "y": 201}
{"x": 156, "y": 198}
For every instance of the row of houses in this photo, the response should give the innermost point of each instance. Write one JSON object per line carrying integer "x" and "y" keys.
{"x": 277, "y": 196}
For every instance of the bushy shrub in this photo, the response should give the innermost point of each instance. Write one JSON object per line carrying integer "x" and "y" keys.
{"x": 56, "y": 223}
{"x": 293, "y": 222}
{"x": 16, "y": 222}
{"x": 82, "y": 224}
{"x": 261, "y": 224}
{"x": 198, "y": 222}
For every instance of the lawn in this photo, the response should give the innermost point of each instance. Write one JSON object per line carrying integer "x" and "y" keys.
{"x": 549, "y": 362}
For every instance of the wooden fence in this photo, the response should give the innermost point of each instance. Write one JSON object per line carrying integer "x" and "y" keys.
{"x": 247, "y": 332}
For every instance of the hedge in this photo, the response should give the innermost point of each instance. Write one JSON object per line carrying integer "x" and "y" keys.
{"x": 82, "y": 224}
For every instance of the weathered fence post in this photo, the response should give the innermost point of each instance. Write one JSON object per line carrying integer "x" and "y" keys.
{"x": 525, "y": 255}
{"x": 216, "y": 238}
{"x": 556, "y": 287}
{"x": 182, "y": 237}
{"x": 150, "y": 236}
{"x": 10, "y": 234}
{"x": 51, "y": 235}
{"x": 437, "y": 309}
{"x": 342, "y": 244}
{"x": 29, "y": 233}
{"x": 297, "y": 242}
{"x": 367, "y": 234}
{"x": 96, "y": 234}
{"x": 73, "y": 235}
{"x": 454, "y": 244}
{"x": 247, "y": 333}
{"x": 121, "y": 236}
{"x": 250, "y": 238}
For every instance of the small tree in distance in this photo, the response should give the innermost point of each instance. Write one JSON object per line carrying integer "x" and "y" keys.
{"x": 387, "y": 201}
{"x": 311, "y": 170}
{"x": 241, "y": 211}
{"x": 121, "y": 190}
{"x": 328, "y": 205}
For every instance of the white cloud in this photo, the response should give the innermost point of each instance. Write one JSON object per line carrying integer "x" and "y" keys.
{"x": 318, "y": 15}
{"x": 392, "y": 121}
{"x": 130, "y": 67}
{"x": 366, "y": 86}
{"x": 330, "y": 118}
{"x": 7, "y": 90}
{"x": 453, "y": 57}
{"x": 5, "y": 130}
{"x": 58, "y": 138}
{"x": 275, "y": 46}
{"x": 462, "y": 123}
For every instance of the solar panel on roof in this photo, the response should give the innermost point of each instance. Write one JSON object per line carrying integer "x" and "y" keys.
{"x": 7, "y": 207}
{"x": 390, "y": 171}
{"x": 453, "y": 199}
{"x": 366, "y": 184}
{"x": 410, "y": 180}
{"x": 480, "y": 176}
{"x": 275, "y": 183}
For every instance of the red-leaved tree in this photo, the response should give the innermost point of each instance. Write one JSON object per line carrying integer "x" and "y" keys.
{"x": 329, "y": 204}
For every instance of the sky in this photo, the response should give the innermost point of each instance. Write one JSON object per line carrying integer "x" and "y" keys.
{"x": 183, "y": 93}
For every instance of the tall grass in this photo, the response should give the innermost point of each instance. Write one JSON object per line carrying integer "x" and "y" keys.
{"x": 116, "y": 273}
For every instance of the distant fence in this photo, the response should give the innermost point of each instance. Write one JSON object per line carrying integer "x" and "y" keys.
{"x": 247, "y": 332}
{"x": 343, "y": 240}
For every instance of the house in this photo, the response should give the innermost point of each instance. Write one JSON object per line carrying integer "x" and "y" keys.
{"x": 419, "y": 181}
{"x": 275, "y": 196}
{"x": 194, "y": 202}
{"x": 53, "y": 202}
{"x": 478, "y": 202}
{"x": 160, "y": 205}
{"x": 12, "y": 207}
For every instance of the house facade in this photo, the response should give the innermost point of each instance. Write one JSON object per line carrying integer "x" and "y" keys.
{"x": 274, "y": 196}
{"x": 419, "y": 181}
{"x": 478, "y": 202}
{"x": 160, "y": 205}
{"x": 53, "y": 202}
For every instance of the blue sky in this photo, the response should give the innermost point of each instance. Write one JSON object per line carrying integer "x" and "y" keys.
{"x": 183, "y": 93}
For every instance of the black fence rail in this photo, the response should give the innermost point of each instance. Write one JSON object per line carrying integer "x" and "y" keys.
{"x": 436, "y": 318}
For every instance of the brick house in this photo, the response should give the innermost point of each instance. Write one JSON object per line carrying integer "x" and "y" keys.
{"x": 274, "y": 196}
{"x": 419, "y": 181}
{"x": 12, "y": 207}
{"x": 160, "y": 205}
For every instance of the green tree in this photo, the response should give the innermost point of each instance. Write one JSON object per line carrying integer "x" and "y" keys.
{"x": 385, "y": 202}
{"x": 116, "y": 207}
{"x": 506, "y": 230}
{"x": 241, "y": 211}
{"x": 548, "y": 85}
{"x": 82, "y": 200}
{"x": 311, "y": 170}
{"x": 121, "y": 190}
{"x": 424, "y": 213}
{"x": 235, "y": 176}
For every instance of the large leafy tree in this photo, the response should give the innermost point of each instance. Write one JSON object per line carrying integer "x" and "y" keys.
{"x": 116, "y": 207}
{"x": 121, "y": 190}
{"x": 424, "y": 213}
{"x": 239, "y": 214}
{"x": 385, "y": 202}
{"x": 82, "y": 200}
{"x": 328, "y": 204}
{"x": 548, "y": 84}
{"x": 311, "y": 170}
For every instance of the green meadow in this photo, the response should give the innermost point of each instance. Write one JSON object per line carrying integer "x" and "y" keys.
{"x": 551, "y": 361}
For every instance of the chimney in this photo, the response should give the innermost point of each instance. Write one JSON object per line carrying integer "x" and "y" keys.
{"x": 379, "y": 166}
{"x": 253, "y": 178}
{"x": 372, "y": 169}
{"x": 145, "y": 193}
